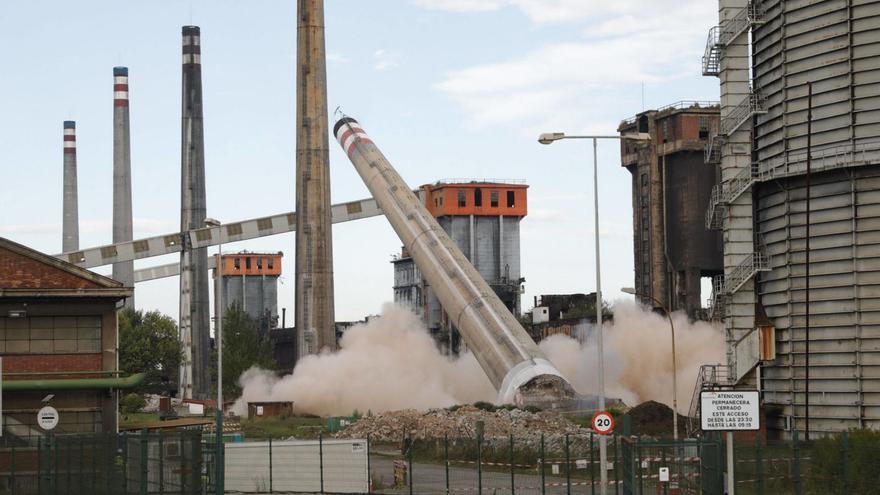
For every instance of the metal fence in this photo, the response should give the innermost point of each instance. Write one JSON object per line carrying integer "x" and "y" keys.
{"x": 125, "y": 463}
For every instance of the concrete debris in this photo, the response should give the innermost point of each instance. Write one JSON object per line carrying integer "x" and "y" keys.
{"x": 459, "y": 423}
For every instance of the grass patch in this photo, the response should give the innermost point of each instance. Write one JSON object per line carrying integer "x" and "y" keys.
{"x": 130, "y": 418}
{"x": 306, "y": 427}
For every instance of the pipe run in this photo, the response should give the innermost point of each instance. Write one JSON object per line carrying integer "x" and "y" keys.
{"x": 120, "y": 383}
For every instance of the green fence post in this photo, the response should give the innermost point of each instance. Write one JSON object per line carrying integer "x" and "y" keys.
{"x": 638, "y": 469}
{"x": 183, "y": 469}
{"x": 618, "y": 464}
{"x": 446, "y": 459}
{"x": 369, "y": 468}
{"x": 479, "y": 464}
{"x": 592, "y": 467}
{"x": 543, "y": 485}
{"x": 844, "y": 457}
{"x": 12, "y": 468}
{"x": 40, "y": 466}
{"x": 409, "y": 471}
{"x": 797, "y": 466}
{"x": 567, "y": 467}
{"x": 81, "y": 464}
{"x": 512, "y": 483}
{"x": 145, "y": 462}
{"x": 321, "y": 458}
{"x": 759, "y": 467}
{"x": 55, "y": 464}
{"x": 663, "y": 463}
{"x": 161, "y": 463}
{"x": 270, "y": 462}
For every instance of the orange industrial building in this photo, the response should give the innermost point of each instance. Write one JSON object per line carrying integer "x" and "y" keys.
{"x": 482, "y": 217}
{"x": 250, "y": 280}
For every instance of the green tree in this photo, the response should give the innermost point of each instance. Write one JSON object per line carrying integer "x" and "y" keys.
{"x": 149, "y": 342}
{"x": 245, "y": 346}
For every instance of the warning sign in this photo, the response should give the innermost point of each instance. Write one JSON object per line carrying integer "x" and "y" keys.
{"x": 729, "y": 410}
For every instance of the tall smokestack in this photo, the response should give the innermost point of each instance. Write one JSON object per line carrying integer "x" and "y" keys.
{"x": 70, "y": 213}
{"x": 194, "y": 316}
{"x": 122, "y": 222}
{"x": 314, "y": 320}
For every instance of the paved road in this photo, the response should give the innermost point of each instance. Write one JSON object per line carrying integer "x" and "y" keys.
{"x": 429, "y": 479}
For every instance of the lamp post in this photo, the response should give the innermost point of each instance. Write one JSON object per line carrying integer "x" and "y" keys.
{"x": 218, "y": 327}
{"x": 630, "y": 290}
{"x": 550, "y": 138}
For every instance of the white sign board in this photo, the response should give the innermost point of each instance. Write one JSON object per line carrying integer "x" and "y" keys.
{"x": 664, "y": 474}
{"x": 196, "y": 409}
{"x": 729, "y": 410}
{"x": 47, "y": 418}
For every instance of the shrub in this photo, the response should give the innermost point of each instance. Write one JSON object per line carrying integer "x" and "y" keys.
{"x": 833, "y": 463}
{"x": 132, "y": 403}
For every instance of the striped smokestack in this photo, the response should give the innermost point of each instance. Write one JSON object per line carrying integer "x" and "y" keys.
{"x": 70, "y": 213}
{"x": 315, "y": 322}
{"x": 194, "y": 316}
{"x": 122, "y": 216}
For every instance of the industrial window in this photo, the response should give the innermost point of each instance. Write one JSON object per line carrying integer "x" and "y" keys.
{"x": 644, "y": 180}
{"x": 665, "y": 128}
{"x": 704, "y": 127}
{"x": 478, "y": 197}
{"x": 237, "y": 263}
{"x": 270, "y": 263}
{"x": 493, "y": 199}
{"x": 247, "y": 263}
{"x": 50, "y": 335}
{"x": 511, "y": 201}
{"x": 259, "y": 263}
{"x": 462, "y": 198}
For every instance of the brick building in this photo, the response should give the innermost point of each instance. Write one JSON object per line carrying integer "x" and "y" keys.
{"x": 58, "y": 341}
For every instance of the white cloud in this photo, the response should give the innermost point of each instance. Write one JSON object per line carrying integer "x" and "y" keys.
{"x": 627, "y": 42}
{"x": 384, "y": 60}
{"x": 461, "y": 5}
{"x": 148, "y": 226}
{"x": 336, "y": 57}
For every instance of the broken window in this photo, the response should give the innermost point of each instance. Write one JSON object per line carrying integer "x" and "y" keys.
{"x": 511, "y": 201}
{"x": 237, "y": 263}
{"x": 260, "y": 263}
{"x": 493, "y": 199}
{"x": 478, "y": 197}
{"x": 462, "y": 198}
{"x": 247, "y": 263}
{"x": 704, "y": 127}
{"x": 270, "y": 263}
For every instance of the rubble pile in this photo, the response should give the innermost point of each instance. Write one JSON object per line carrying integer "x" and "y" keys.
{"x": 654, "y": 419}
{"x": 393, "y": 426}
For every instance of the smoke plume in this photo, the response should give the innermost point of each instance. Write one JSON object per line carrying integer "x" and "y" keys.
{"x": 391, "y": 363}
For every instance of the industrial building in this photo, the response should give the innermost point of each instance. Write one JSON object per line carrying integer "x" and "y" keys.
{"x": 482, "y": 218}
{"x": 798, "y": 207}
{"x": 671, "y": 185}
{"x": 250, "y": 280}
{"x": 58, "y": 340}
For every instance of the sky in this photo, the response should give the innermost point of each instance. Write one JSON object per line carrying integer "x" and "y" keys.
{"x": 446, "y": 89}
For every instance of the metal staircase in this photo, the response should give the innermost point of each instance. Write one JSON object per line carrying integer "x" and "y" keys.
{"x": 710, "y": 377}
{"x": 717, "y": 303}
{"x": 712, "y": 153}
{"x": 747, "y": 268}
{"x": 721, "y": 36}
{"x": 724, "y": 194}
{"x": 752, "y": 104}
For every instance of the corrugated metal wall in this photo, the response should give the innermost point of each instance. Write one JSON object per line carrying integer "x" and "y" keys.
{"x": 835, "y": 45}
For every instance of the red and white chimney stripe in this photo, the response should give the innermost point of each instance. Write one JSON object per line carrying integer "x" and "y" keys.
{"x": 192, "y": 50}
{"x": 120, "y": 91}
{"x": 69, "y": 137}
{"x": 350, "y": 135}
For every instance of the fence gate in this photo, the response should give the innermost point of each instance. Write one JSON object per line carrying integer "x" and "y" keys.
{"x": 668, "y": 467}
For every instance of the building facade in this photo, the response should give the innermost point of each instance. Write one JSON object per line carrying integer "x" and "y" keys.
{"x": 58, "y": 342}
{"x": 671, "y": 185}
{"x": 483, "y": 219}
{"x": 250, "y": 280}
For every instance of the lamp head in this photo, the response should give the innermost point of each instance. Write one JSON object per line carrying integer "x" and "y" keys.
{"x": 629, "y": 290}
{"x": 212, "y": 222}
{"x": 636, "y": 136}
{"x": 549, "y": 137}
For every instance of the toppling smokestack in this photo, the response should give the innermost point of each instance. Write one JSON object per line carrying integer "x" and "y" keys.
{"x": 314, "y": 318}
{"x": 70, "y": 208}
{"x": 122, "y": 221}
{"x": 194, "y": 316}
{"x": 514, "y": 364}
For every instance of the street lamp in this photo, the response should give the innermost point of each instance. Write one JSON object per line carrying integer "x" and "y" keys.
{"x": 218, "y": 327}
{"x": 630, "y": 290}
{"x": 549, "y": 138}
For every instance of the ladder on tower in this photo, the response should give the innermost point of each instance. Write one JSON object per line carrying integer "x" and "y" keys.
{"x": 710, "y": 377}
{"x": 721, "y": 36}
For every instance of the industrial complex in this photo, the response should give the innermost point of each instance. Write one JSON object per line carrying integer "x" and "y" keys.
{"x": 755, "y": 216}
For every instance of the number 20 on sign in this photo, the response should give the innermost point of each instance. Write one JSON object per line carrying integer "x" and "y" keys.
{"x": 603, "y": 423}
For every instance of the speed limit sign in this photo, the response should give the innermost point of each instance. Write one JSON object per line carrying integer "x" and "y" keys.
{"x": 603, "y": 423}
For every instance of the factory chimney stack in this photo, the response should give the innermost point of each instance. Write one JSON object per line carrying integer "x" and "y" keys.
{"x": 122, "y": 215}
{"x": 70, "y": 213}
{"x": 314, "y": 317}
{"x": 194, "y": 316}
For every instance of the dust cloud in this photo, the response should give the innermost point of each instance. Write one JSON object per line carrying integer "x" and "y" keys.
{"x": 392, "y": 363}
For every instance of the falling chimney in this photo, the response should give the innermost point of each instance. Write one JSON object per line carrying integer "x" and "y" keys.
{"x": 314, "y": 318}
{"x": 194, "y": 300}
{"x": 122, "y": 221}
{"x": 70, "y": 213}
